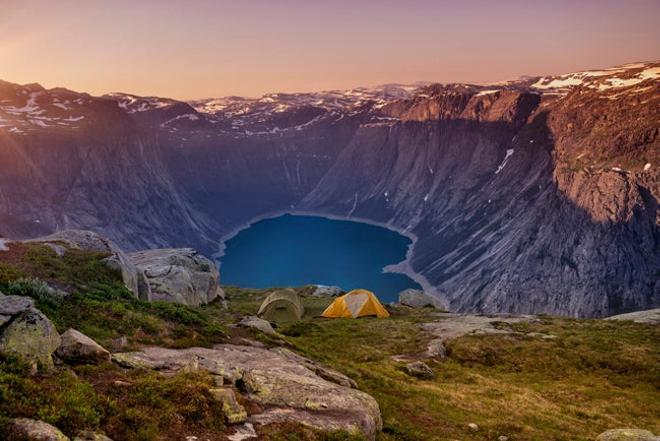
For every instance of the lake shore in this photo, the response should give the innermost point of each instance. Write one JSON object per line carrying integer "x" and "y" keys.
{"x": 404, "y": 267}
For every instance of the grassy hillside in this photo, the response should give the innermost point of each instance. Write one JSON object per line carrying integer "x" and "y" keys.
{"x": 593, "y": 376}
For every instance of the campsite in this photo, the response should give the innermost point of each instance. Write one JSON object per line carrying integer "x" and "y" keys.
{"x": 565, "y": 369}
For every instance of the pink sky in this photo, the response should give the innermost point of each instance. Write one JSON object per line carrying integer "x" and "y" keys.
{"x": 203, "y": 48}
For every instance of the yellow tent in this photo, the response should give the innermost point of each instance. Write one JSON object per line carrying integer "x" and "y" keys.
{"x": 357, "y": 303}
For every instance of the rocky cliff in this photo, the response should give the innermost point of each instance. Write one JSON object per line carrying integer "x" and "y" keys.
{"x": 528, "y": 196}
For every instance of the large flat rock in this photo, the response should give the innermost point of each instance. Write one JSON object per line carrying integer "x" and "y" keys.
{"x": 451, "y": 326}
{"x": 286, "y": 388}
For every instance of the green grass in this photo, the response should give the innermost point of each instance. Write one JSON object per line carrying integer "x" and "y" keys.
{"x": 99, "y": 305}
{"x": 596, "y": 375}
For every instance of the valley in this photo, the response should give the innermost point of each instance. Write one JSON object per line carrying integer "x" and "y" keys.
{"x": 530, "y": 196}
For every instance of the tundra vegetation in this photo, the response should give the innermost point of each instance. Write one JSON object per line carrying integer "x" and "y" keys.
{"x": 594, "y": 375}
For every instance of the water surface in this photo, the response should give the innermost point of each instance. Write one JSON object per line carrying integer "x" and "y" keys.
{"x": 299, "y": 250}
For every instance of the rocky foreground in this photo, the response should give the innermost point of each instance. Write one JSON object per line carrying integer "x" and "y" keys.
{"x": 90, "y": 351}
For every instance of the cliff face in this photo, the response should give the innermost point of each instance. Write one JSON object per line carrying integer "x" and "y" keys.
{"x": 525, "y": 197}
{"x": 520, "y": 203}
{"x": 103, "y": 173}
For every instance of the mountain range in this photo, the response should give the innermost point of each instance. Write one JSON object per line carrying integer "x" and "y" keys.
{"x": 535, "y": 195}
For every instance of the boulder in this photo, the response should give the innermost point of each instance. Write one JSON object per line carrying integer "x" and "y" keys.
{"x": 132, "y": 277}
{"x": 326, "y": 291}
{"x": 32, "y": 336}
{"x": 179, "y": 275}
{"x": 627, "y": 435}
{"x": 650, "y": 316}
{"x": 76, "y": 347}
{"x": 418, "y": 299}
{"x": 12, "y": 305}
{"x": 436, "y": 349}
{"x": 258, "y": 324}
{"x": 420, "y": 369}
{"x": 88, "y": 435}
{"x": 285, "y": 389}
{"x": 234, "y": 412}
{"x": 25, "y": 429}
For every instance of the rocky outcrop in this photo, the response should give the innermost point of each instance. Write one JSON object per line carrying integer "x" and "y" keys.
{"x": 284, "y": 388}
{"x": 179, "y": 275}
{"x": 651, "y": 316}
{"x": 25, "y": 429}
{"x": 76, "y": 347}
{"x": 420, "y": 369}
{"x": 627, "y": 435}
{"x": 26, "y": 331}
{"x": 418, "y": 299}
{"x": 116, "y": 259}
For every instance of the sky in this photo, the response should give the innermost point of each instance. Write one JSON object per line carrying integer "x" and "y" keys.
{"x": 211, "y": 48}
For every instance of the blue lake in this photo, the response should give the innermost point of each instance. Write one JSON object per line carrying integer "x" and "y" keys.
{"x": 300, "y": 250}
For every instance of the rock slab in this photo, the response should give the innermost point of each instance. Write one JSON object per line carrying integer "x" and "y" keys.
{"x": 286, "y": 390}
{"x": 451, "y": 326}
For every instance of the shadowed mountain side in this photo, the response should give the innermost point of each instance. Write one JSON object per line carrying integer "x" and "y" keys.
{"x": 114, "y": 183}
{"x": 502, "y": 233}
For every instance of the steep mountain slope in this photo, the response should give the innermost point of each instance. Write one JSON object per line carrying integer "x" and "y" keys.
{"x": 537, "y": 195}
{"x": 86, "y": 166}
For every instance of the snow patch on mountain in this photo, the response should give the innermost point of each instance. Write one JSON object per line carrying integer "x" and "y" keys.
{"x": 601, "y": 80}
{"x": 509, "y": 153}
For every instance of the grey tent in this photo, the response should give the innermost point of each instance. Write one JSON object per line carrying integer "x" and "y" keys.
{"x": 281, "y": 306}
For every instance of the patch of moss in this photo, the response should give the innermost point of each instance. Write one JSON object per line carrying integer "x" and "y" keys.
{"x": 134, "y": 405}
